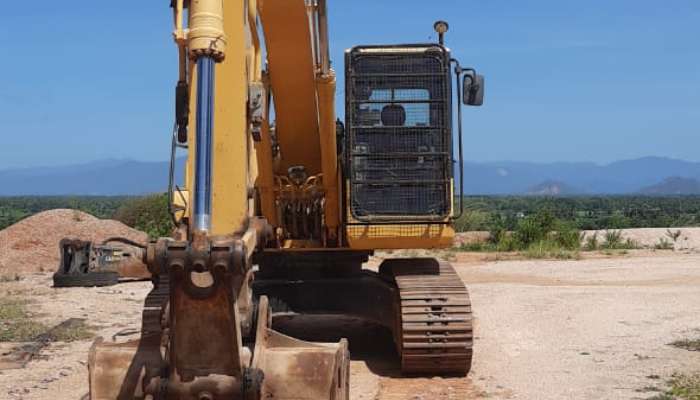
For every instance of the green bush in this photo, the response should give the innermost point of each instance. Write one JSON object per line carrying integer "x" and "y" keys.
{"x": 613, "y": 241}
{"x": 664, "y": 244}
{"x": 538, "y": 236}
{"x": 550, "y": 249}
{"x": 567, "y": 236}
{"x": 473, "y": 220}
{"x": 535, "y": 228}
{"x": 592, "y": 243}
{"x": 148, "y": 214}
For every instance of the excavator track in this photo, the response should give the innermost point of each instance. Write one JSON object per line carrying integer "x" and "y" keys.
{"x": 435, "y": 335}
{"x": 154, "y": 307}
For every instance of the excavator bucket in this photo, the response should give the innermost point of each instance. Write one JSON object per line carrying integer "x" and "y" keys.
{"x": 295, "y": 369}
{"x": 87, "y": 264}
{"x": 284, "y": 368}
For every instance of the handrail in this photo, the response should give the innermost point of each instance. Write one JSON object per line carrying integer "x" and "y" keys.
{"x": 458, "y": 77}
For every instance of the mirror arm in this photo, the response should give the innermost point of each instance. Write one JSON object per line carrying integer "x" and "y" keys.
{"x": 458, "y": 76}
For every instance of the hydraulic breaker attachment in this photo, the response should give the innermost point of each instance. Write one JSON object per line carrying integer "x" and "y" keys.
{"x": 85, "y": 263}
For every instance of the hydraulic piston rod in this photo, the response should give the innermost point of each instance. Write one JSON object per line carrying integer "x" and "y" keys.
{"x": 207, "y": 45}
{"x": 203, "y": 143}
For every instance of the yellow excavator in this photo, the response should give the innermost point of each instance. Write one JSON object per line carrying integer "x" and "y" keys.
{"x": 282, "y": 205}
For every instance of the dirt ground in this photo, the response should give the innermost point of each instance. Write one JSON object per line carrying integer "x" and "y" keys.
{"x": 595, "y": 328}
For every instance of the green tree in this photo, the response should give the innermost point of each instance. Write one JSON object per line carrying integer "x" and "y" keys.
{"x": 148, "y": 214}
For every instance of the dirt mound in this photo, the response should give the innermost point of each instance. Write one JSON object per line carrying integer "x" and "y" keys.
{"x": 31, "y": 245}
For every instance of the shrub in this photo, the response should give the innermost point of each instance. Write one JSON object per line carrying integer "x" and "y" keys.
{"x": 534, "y": 228}
{"x": 148, "y": 214}
{"x": 613, "y": 241}
{"x": 674, "y": 235}
{"x": 550, "y": 249}
{"x": 497, "y": 230}
{"x": 663, "y": 244}
{"x": 592, "y": 242}
{"x": 473, "y": 221}
{"x": 567, "y": 236}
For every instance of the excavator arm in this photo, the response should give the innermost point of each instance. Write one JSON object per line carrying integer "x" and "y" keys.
{"x": 203, "y": 337}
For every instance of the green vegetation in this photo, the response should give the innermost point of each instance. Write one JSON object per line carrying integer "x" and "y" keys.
{"x": 496, "y": 214}
{"x": 663, "y": 244}
{"x": 585, "y": 213}
{"x": 540, "y": 235}
{"x": 13, "y": 209}
{"x": 681, "y": 386}
{"x": 71, "y": 330}
{"x": 16, "y": 323}
{"x": 148, "y": 214}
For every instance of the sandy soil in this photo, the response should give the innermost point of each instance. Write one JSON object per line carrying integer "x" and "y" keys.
{"x": 588, "y": 329}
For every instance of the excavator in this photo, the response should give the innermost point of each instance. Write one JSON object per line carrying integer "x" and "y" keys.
{"x": 283, "y": 203}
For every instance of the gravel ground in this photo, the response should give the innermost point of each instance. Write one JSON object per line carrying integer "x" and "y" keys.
{"x": 590, "y": 329}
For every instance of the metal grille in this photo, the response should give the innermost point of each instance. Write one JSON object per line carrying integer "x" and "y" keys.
{"x": 399, "y": 133}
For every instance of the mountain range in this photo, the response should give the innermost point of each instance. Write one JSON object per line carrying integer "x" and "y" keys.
{"x": 648, "y": 175}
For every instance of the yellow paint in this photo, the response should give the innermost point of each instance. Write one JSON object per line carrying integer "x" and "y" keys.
{"x": 400, "y": 237}
{"x": 329, "y": 156}
{"x": 293, "y": 81}
{"x": 265, "y": 182}
{"x": 230, "y": 169}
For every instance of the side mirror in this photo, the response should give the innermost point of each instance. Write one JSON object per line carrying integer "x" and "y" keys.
{"x": 473, "y": 90}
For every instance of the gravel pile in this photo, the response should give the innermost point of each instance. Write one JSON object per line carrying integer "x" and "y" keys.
{"x": 31, "y": 245}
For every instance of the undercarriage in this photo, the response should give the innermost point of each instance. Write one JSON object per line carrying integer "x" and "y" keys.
{"x": 422, "y": 301}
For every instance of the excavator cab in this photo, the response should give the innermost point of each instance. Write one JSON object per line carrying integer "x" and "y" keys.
{"x": 399, "y": 132}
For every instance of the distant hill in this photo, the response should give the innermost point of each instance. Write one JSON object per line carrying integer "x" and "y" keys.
{"x": 621, "y": 177}
{"x": 115, "y": 177}
{"x": 675, "y": 185}
{"x": 101, "y": 178}
{"x": 552, "y": 188}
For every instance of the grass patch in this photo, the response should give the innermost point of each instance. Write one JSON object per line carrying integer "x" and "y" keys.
{"x": 685, "y": 386}
{"x": 681, "y": 386}
{"x": 687, "y": 344}
{"x": 662, "y": 396}
{"x": 16, "y": 323}
{"x": 550, "y": 249}
{"x": 71, "y": 330}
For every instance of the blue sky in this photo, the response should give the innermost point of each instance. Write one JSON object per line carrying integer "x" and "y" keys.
{"x": 599, "y": 80}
